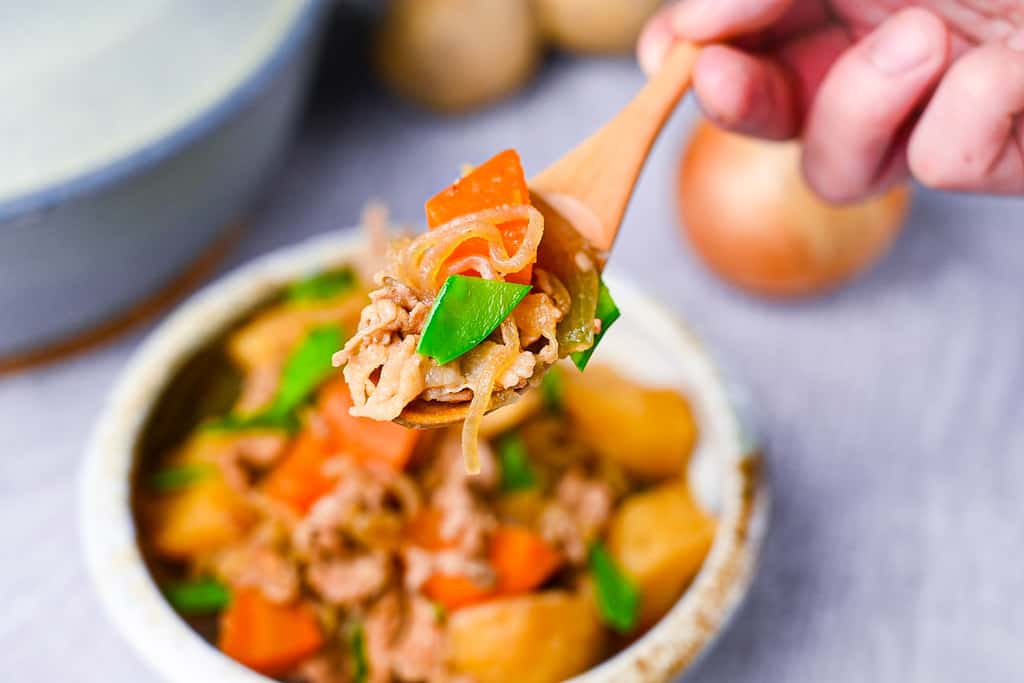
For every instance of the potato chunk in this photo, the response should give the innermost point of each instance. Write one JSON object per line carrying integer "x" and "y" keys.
{"x": 649, "y": 432}
{"x": 538, "y": 638}
{"x": 204, "y": 515}
{"x": 199, "y": 519}
{"x": 660, "y": 538}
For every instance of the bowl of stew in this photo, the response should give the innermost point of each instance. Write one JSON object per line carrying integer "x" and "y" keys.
{"x": 241, "y": 525}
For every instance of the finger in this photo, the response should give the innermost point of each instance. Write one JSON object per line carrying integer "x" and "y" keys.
{"x": 744, "y": 93}
{"x": 754, "y": 25}
{"x": 704, "y": 20}
{"x": 971, "y": 136}
{"x": 655, "y": 41}
{"x": 807, "y": 60}
{"x": 766, "y": 95}
{"x": 866, "y": 100}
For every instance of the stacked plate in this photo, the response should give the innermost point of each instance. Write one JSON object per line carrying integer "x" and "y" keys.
{"x": 132, "y": 133}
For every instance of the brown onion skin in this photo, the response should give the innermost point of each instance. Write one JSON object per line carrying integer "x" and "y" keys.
{"x": 594, "y": 26}
{"x": 752, "y": 218}
{"x": 455, "y": 56}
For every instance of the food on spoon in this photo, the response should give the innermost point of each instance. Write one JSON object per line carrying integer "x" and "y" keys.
{"x": 466, "y": 311}
{"x": 456, "y": 55}
{"x": 752, "y": 218}
{"x": 478, "y": 307}
{"x": 608, "y": 26}
{"x": 330, "y": 547}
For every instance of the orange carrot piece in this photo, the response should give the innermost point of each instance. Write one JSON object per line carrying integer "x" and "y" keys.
{"x": 269, "y": 638}
{"x": 450, "y": 590}
{"x": 424, "y": 530}
{"x": 454, "y": 591}
{"x": 367, "y": 440}
{"x": 522, "y": 559}
{"x": 299, "y": 479}
{"x": 496, "y": 182}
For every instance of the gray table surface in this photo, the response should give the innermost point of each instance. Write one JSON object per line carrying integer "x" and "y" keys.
{"x": 892, "y": 410}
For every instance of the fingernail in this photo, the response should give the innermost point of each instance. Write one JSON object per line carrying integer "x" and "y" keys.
{"x": 689, "y": 11}
{"x": 899, "y": 46}
{"x": 653, "y": 50}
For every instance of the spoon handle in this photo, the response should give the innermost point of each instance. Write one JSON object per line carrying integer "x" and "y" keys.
{"x": 599, "y": 174}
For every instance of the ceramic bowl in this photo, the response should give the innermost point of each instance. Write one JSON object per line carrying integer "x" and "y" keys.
{"x": 134, "y": 133}
{"x": 648, "y": 342}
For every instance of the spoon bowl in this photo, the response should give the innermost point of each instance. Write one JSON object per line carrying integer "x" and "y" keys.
{"x": 435, "y": 414}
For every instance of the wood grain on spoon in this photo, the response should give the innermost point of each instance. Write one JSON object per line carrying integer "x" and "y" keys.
{"x": 590, "y": 187}
{"x": 592, "y": 184}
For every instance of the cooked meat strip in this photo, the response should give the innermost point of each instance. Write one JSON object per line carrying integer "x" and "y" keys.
{"x": 406, "y": 642}
{"x": 341, "y": 515}
{"x": 324, "y": 667}
{"x": 580, "y": 512}
{"x": 258, "y": 451}
{"x": 346, "y": 582}
{"x": 258, "y": 564}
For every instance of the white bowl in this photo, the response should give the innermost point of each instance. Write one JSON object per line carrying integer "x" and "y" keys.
{"x": 648, "y": 342}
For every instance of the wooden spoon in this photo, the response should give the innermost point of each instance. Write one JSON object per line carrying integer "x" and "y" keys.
{"x": 591, "y": 187}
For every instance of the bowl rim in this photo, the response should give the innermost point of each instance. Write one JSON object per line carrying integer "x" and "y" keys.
{"x": 171, "y": 648}
{"x": 295, "y": 33}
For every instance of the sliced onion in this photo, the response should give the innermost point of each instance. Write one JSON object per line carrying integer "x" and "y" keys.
{"x": 566, "y": 254}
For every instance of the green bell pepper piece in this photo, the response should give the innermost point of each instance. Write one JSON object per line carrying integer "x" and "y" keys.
{"x": 466, "y": 311}
{"x": 607, "y": 313}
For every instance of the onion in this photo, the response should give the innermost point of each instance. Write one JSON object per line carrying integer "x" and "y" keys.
{"x": 457, "y": 55}
{"x": 594, "y": 26}
{"x": 752, "y": 218}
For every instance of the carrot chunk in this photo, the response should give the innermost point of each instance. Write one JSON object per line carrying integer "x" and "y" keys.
{"x": 267, "y": 637}
{"x": 424, "y": 530}
{"x": 450, "y": 590}
{"x": 365, "y": 439}
{"x": 299, "y": 479}
{"x": 454, "y": 591}
{"x": 497, "y": 182}
{"x": 522, "y": 559}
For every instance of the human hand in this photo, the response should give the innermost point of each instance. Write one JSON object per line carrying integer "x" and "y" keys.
{"x": 877, "y": 89}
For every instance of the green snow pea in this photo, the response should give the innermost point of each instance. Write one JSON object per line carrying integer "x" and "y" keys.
{"x": 607, "y": 313}
{"x": 466, "y": 311}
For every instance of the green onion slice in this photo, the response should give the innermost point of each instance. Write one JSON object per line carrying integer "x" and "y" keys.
{"x": 618, "y": 598}
{"x": 516, "y": 471}
{"x": 202, "y": 596}
{"x": 306, "y": 368}
{"x": 176, "y": 477}
{"x": 322, "y": 286}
